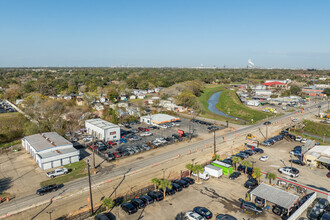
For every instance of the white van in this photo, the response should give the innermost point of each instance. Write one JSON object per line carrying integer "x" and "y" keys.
{"x": 204, "y": 176}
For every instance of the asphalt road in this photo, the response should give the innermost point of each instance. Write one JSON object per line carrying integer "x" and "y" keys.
{"x": 77, "y": 186}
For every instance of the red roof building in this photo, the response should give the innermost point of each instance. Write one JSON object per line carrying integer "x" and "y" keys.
{"x": 275, "y": 84}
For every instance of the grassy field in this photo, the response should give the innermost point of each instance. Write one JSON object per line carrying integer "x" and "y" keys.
{"x": 206, "y": 94}
{"x": 8, "y": 144}
{"x": 230, "y": 102}
{"x": 316, "y": 128}
{"x": 76, "y": 170}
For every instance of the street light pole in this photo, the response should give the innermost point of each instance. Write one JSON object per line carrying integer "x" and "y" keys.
{"x": 90, "y": 188}
{"x": 50, "y": 214}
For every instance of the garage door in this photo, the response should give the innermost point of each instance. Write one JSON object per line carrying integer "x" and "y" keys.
{"x": 56, "y": 163}
{"x": 74, "y": 159}
{"x": 46, "y": 166}
{"x": 65, "y": 161}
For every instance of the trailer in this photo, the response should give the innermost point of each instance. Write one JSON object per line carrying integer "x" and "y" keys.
{"x": 213, "y": 170}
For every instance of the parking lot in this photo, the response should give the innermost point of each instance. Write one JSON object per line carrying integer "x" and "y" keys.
{"x": 4, "y": 107}
{"x": 221, "y": 195}
{"x": 137, "y": 137}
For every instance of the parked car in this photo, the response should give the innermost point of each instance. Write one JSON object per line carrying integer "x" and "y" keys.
{"x": 57, "y": 172}
{"x": 141, "y": 129}
{"x": 296, "y": 152}
{"x": 325, "y": 216}
{"x": 299, "y": 162}
{"x": 304, "y": 140}
{"x": 290, "y": 171}
{"x": 227, "y": 161}
{"x": 182, "y": 183}
{"x": 249, "y": 206}
{"x": 225, "y": 217}
{"x": 146, "y": 199}
{"x": 259, "y": 150}
{"x": 138, "y": 203}
{"x": 318, "y": 209}
{"x": 193, "y": 216}
{"x": 129, "y": 208}
{"x": 168, "y": 191}
{"x": 278, "y": 210}
{"x": 264, "y": 158}
{"x": 189, "y": 180}
{"x": 116, "y": 154}
{"x": 156, "y": 195}
{"x": 47, "y": 189}
{"x": 251, "y": 183}
{"x": 298, "y": 138}
{"x": 234, "y": 175}
{"x": 241, "y": 168}
{"x": 145, "y": 147}
{"x": 124, "y": 153}
{"x": 259, "y": 201}
{"x": 249, "y": 152}
{"x": 135, "y": 149}
{"x": 176, "y": 187}
{"x": 328, "y": 174}
{"x": 266, "y": 143}
{"x": 294, "y": 120}
{"x": 203, "y": 176}
{"x": 112, "y": 143}
{"x": 204, "y": 212}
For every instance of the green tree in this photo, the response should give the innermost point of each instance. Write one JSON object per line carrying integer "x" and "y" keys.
{"x": 257, "y": 174}
{"x": 155, "y": 181}
{"x": 198, "y": 169}
{"x": 295, "y": 90}
{"x": 108, "y": 203}
{"x": 131, "y": 83}
{"x": 271, "y": 176}
{"x": 246, "y": 164}
{"x": 163, "y": 184}
{"x": 190, "y": 167}
{"x": 236, "y": 160}
{"x": 326, "y": 91}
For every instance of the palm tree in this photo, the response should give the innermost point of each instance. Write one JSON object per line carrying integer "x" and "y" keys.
{"x": 257, "y": 174}
{"x": 271, "y": 176}
{"x": 189, "y": 167}
{"x": 236, "y": 160}
{"x": 198, "y": 169}
{"x": 246, "y": 164}
{"x": 108, "y": 203}
{"x": 164, "y": 184}
{"x": 155, "y": 181}
{"x": 216, "y": 157}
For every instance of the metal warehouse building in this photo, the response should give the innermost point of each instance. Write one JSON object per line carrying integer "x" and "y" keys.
{"x": 158, "y": 119}
{"x": 50, "y": 150}
{"x": 103, "y": 130}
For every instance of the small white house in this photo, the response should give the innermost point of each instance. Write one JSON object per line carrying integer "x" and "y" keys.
{"x": 141, "y": 96}
{"x": 103, "y": 130}
{"x": 132, "y": 97}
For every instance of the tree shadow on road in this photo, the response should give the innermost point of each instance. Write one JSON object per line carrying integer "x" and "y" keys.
{"x": 5, "y": 183}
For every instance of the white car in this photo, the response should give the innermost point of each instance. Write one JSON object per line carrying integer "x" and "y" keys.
{"x": 290, "y": 171}
{"x": 161, "y": 140}
{"x": 294, "y": 120}
{"x": 304, "y": 140}
{"x": 193, "y": 216}
{"x": 298, "y": 138}
{"x": 144, "y": 134}
{"x": 264, "y": 158}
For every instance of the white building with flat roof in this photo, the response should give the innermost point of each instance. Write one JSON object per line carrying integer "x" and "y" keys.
{"x": 50, "y": 150}
{"x": 102, "y": 130}
{"x": 158, "y": 119}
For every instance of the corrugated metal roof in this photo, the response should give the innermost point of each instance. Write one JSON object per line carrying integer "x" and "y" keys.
{"x": 47, "y": 140}
{"x": 275, "y": 195}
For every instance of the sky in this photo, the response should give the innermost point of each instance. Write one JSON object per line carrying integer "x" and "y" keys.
{"x": 165, "y": 33}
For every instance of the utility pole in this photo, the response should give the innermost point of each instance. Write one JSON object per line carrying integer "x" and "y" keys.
{"x": 214, "y": 147}
{"x": 50, "y": 214}
{"x": 90, "y": 187}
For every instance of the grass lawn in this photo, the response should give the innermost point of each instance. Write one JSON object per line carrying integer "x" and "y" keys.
{"x": 76, "y": 171}
{"x": 8, "y": 144}
{"x": 230, "y": 102}
{"x": 206, "y": 94}
{"x": 300, "y": 133}
{"x": 317, "y": 128}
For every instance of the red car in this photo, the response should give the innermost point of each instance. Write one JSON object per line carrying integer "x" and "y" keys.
{"x": 141, "y": 129}
{"x": 328, "y": 175}
{"x": 95, "y": 147}
{"x": 111, "y": 143}
{"x": 116, "y": 154}
{"x": 146, "y": 129}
